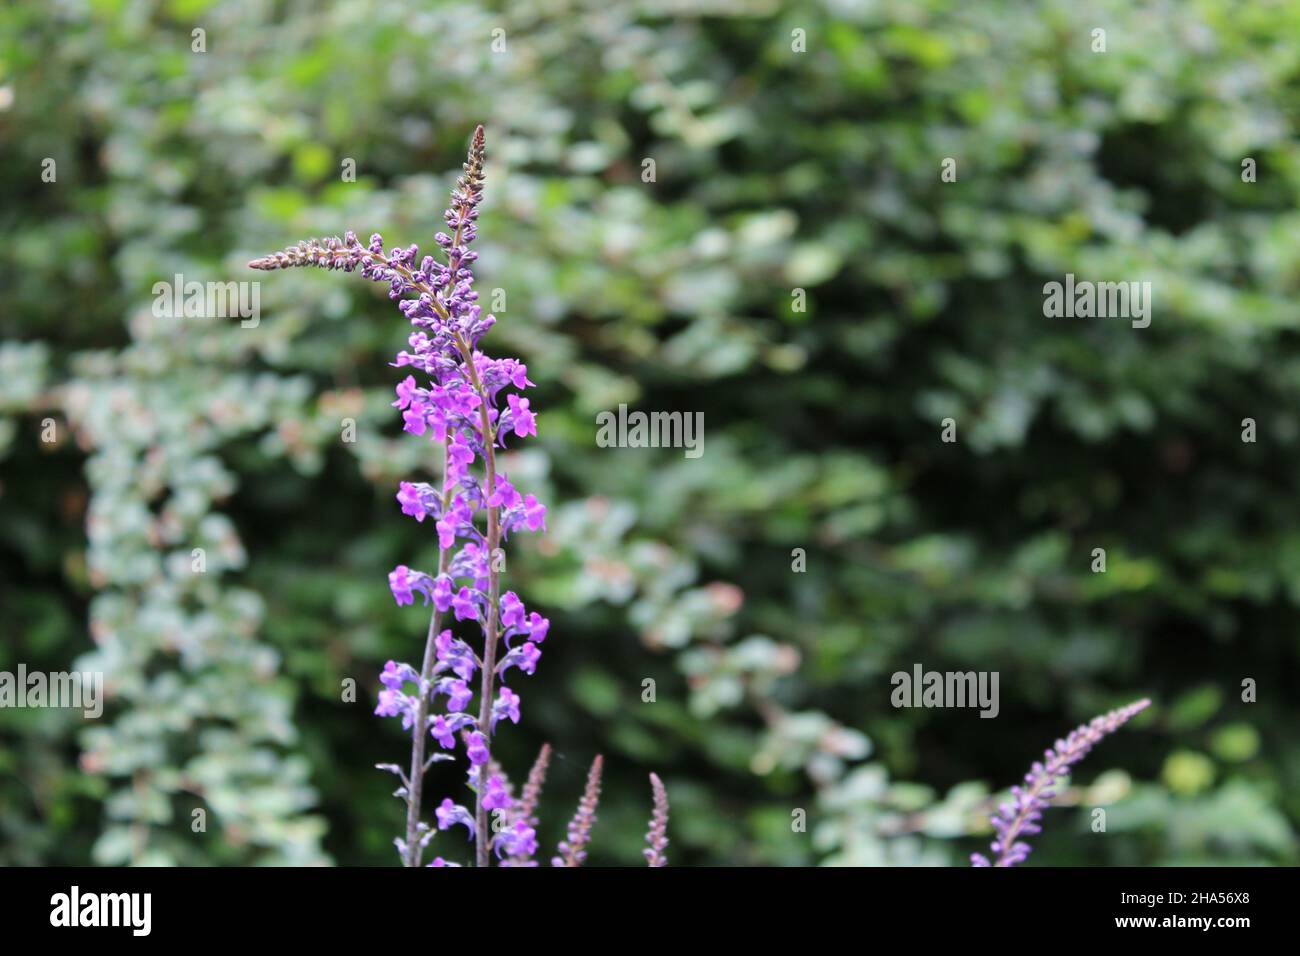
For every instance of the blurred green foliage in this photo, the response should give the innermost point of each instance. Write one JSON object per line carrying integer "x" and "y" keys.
{"x": 776, "y": 172}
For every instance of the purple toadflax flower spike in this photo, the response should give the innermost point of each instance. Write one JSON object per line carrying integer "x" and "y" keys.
{"x": 657, "y": 837}
{"x": 525, "y": 808}
{"x": 572, "y": 852}
{"x": 462, "y": 407}
{"x": 1020, "y": 817}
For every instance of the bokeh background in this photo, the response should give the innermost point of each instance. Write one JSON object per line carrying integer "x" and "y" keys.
{"x": 775, "y": 171}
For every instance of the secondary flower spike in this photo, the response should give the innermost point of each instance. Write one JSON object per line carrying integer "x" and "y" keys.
{"x": 656, "y": 837}
{"x": 572, "y": 852}
{"x": 467, "y": 405}
{"x": 1020, "y": 817}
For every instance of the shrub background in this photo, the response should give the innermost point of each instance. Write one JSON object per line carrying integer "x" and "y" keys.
{"x": 775, "y": 171}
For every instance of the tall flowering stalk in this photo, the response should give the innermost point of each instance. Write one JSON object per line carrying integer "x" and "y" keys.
{"x": 1020, "y": 817}
{"x": 457, "y": 404}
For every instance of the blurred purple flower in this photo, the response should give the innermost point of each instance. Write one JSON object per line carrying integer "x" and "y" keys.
{"x": 1020, "y": 817}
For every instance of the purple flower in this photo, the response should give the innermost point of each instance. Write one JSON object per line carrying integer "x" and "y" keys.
{"x": 534, "y": 513}
{"x": 444, "y": 728}
{"x": 464, "y": 605}
{"x": 437, "y": 425}
{"x": 415, "y": 421}
{"x": 505, "y": 706}
{"x": 442, "y": 593}
{"x": 446, "y": 531}
{"x": 460, "y": 696}
{"x": 524, "y": 657}
{"x": 476, "y": 749}
{"x": 525, "y": 422}
{"x": 516, "y": 372}
{"x": 406, "y": 392}
{"x": 459, "y": 452}
{"x": 410, "y": 497}
{"x": 512, "y": 610}
{"x": 400, "y": 584}
{"x": 449, "y": 525}
{"x": 459, "y": 457}
{"x": 472, "y": 561}
{"x": 442, "y": 732}
{"x": 1020, "y": 817}
{"x": 519, "y": 840}
{"x": 505, "y": 495}
{"x": 456, "y": 654}
{"x": 390, "y": 703}
{"x": 395, "y": 675}
{"x": 449, "y": 814}
{"x": 497, "y": 797}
